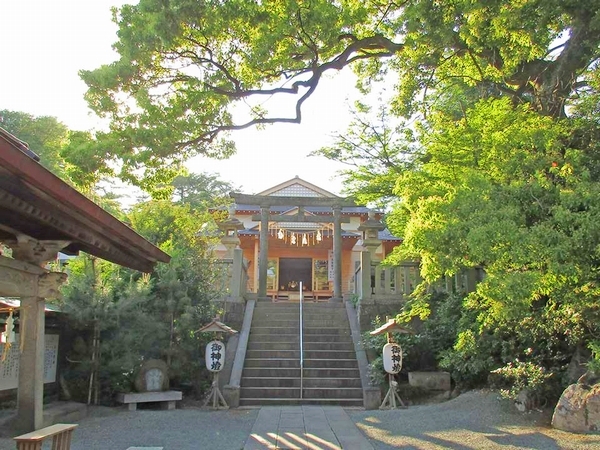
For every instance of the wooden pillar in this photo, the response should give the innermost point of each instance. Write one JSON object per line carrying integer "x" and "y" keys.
{"x": 255, "y": 265}
{"x": 264, "y": 252}
{"x": 46, "y": 284}
{"x": 31, "y": 364}
{"x": 337, "y": 253}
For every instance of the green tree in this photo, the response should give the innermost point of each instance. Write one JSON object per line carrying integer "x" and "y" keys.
{"x": 123, "y": 318}
{"x": 184, "y": 64}
{"x": 73, "y": 156}
{"x": 377, "y": 150}
{"x": 514, "y": 192}
{"x": 201, "y": 190}
{"x": 45, "y": 136}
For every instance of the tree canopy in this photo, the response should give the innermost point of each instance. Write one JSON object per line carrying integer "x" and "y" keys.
{"x": 184, "y": 64}
{"x": 70, "y": 155}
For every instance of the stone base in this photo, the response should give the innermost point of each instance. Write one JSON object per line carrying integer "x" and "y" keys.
{"x": 232, "y": 395}
{"x": 431, "y": 381}
{"x": 167, "y": 398}
{"x": 371, "y": 397}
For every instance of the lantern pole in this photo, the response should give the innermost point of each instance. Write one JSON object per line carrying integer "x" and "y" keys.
{"x": 215, "y": 353}
{"x": 389, "y": 401}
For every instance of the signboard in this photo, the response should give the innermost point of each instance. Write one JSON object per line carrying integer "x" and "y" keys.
{"x": 215, "y": 356}
{"x": 9, "y": 369}
{"x": 331, "y": 270}
{"x": 392, "y": 358}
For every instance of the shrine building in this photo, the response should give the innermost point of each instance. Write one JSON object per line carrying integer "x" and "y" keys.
{"x": 310, "y": 236}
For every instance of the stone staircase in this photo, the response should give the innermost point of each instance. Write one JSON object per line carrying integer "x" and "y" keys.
{"x": 271, "y": 374}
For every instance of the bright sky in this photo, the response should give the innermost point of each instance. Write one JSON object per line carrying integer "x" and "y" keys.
{"x": 44, "y": 44}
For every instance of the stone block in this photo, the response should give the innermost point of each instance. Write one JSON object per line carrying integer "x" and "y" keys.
{"x": 232, "y": 395}
{"x": 371, "y": 397}
{"x": 431, "y": 381}
{"x": 133, "y": 398}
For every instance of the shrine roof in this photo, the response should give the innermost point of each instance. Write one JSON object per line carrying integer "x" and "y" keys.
{"x": 386, "y": 235}
{"x": 256, "y": 232}
{"x": 324, "y": 210}
{"x": 383, "y": 235}
{"x": 36, "y": 203}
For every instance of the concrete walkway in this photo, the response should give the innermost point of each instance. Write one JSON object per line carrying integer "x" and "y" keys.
{"x": 305, "y": 427}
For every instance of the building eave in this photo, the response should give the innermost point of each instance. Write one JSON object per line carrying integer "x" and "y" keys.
{"x": 35, "y": 202}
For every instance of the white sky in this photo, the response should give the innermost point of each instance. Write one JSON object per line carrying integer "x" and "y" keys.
{"x": 44, "y": 43}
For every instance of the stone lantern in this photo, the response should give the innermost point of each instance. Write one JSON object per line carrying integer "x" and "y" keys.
{"x": 370, "y": 229}
{"x": 230, "y": 229}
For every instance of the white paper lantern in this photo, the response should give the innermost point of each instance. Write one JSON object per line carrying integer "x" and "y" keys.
{"x": 392, "y": 358}
{"x": 215, "y": 356}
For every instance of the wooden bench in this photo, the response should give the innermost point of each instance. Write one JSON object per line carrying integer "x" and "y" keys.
{"x": 61, "y": 437}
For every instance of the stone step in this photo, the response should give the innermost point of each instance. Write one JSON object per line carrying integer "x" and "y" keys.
{"x": 308, "y": 363}
{"x": 322, "y": 306}
{"x": 270, "y": 345}
{"x": 294, "y": 372}
{"x": 261, "y": 362}
{"x": 295, "y": 338}
{"x": 270, "y": 329}
{"x": 308, "y": 354}
{"x": 291, "y": 392}
{"x": 308, "y": 382}
{"x": 295, "y": 315}
{"x": 344, "y": 402}
{"x": 322, "y": 323}
{"x": 292, "y": 338}
{"x": 343, "y": 331}
{"x": 330, "y": 363}
{"x": 332, "y": 338}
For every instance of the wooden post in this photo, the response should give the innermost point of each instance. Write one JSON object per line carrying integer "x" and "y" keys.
{"x": 264, "y": 252}
{"x": 337, "y": 253}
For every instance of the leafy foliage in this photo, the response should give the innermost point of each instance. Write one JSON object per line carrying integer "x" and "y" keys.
{"x": 142, "y": 317}
{"x": 70, "y": 155}
{"x": 186, "y": 68}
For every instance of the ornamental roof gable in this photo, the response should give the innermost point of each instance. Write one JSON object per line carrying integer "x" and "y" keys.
{"x": 297, "y": 187}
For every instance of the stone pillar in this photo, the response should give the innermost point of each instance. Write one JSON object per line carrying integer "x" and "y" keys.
{"x": 32, "y": 327}
{"x": 264, "y": 252}
{"x": 236, "y": 277}
{"x": 337, "y": 253}
{"x": 370, "y": 229}
{"x": 230, "y": 229}
{"x": 365, "y": 275}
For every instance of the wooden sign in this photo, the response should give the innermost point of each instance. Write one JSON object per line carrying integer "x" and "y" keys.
{"x": 215, "y": 356}
{"x": 392, "y": 358}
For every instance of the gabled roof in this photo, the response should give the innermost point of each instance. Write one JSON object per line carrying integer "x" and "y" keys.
{"x": 297, "y": 187}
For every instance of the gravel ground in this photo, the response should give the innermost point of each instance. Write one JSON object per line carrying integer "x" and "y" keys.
{"x": 180, "y": 429}
{"x": 474, "y": 420}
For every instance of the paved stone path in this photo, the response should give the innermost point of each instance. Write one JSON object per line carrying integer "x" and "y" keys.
{"x": 305, "y": 427}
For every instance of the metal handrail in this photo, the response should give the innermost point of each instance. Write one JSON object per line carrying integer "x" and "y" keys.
{"x": 301, "y": 341}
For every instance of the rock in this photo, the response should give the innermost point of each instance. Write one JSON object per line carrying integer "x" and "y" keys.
{"x": 152, "y": 376}
{"x": 578, "y": 364}
{"x": 578, "y": 409}
{"x": 589, "y": 378}
{"x": 525, "y": 401}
